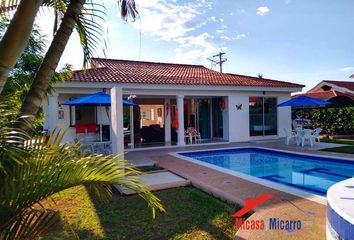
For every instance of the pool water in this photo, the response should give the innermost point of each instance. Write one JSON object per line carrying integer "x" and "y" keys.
{"x": 313, "y": 174}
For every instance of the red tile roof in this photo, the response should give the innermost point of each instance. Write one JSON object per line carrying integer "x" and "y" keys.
{"x": 137, "y": 72}
{"x": 345, "y": 84}
{"x": 325, "y": 95}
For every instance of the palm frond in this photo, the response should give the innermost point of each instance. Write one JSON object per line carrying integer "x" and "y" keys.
{"x": 90, "y": 30}
{"x": 33, "y": 222}
{"x": 50, "y": 167}
{"x": 128, "y": 9}
{"x": 7, "y": 6}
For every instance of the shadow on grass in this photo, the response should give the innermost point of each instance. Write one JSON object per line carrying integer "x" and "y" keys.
{"x": 190, "y": 214}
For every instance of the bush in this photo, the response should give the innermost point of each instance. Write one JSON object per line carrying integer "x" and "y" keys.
{"x": 335, "y": 121}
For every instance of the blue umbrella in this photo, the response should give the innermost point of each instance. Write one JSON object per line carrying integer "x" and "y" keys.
{"x": 96, "y": 99}
{"x": 303, "y": 101}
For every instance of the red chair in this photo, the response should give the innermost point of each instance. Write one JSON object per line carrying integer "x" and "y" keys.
{"x": 85, "y": 128}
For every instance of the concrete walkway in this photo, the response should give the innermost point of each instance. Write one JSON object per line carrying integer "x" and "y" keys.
{"x": 159, "y": 180}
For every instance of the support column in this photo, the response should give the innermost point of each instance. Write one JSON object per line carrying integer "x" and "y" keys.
{"x": 50, "y": 106}
{"x": 117, "y": 133}
{"x": 167, "y": 120}
{"x": 180, "y": 131}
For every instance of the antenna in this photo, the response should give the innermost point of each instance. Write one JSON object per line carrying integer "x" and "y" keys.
{"x": 219, "y": 61}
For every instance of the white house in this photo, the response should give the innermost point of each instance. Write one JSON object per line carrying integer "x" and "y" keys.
{"x": 172, "y": 97}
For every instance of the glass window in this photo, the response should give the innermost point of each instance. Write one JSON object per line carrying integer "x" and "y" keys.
{"x": 85, "y": 114}
{"x": 270, "y": 116}
{"x": 256, "y": 116}
{"x": 263, "y": 116}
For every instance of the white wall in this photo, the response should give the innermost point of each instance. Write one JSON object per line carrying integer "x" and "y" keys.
{"x": 239, "y": 119}
{"x": 236, "y": 122}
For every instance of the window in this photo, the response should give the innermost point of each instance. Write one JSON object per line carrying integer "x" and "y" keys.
{"x": 263, "y": 116}
{"x": 85, "y": 115}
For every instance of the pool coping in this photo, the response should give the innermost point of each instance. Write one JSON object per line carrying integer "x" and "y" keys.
{"x": 297, "y": 192}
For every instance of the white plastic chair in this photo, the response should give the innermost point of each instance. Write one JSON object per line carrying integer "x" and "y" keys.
{"x": 316, "y": 134}
{"x": 307, "y": 136}
{"x": 289, "y": 135}
{"x": 299, "y": 133}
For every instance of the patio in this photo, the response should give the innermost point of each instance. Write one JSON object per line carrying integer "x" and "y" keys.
{"x": 144, "y": 157}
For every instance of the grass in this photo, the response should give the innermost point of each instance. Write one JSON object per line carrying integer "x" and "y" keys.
{"x": 190, "y": 214}
{"x": 339, "y": 141}
{"x": 344, "y": 149}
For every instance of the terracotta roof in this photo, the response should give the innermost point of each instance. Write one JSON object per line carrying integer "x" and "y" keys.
{"x": 325, "y": 95}
{"x": 345, "y": 84}
{"x": 138, "y": 72}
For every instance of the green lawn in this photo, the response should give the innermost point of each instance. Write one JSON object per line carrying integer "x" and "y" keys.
{"x": 190, "y": 214}
{"x": 340, "y": 141}
{"x": 344, "y": 149}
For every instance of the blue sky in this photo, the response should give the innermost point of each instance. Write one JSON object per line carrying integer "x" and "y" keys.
{"x": 292, "y": 40}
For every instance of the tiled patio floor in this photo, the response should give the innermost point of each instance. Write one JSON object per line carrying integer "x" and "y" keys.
{"x": 235, "y": 190}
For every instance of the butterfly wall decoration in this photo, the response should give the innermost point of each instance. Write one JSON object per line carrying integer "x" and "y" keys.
{"x": 239, "y": 106}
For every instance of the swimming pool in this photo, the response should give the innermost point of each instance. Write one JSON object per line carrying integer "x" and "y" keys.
{"x": 310, "y": 173}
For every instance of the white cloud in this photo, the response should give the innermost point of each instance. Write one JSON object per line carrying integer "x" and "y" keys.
{"x": 346, "y": 69}
{"x": 261, "y": 11}
{"x": 241, "y": 35}
{"x": 182, "y": 23}
{"x": 212, "y": 19}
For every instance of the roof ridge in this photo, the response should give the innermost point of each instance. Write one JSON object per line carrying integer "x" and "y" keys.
{"x": 148, "y": 62}
{"x": 342, "y": 81}
{"x": 258, "y": 78}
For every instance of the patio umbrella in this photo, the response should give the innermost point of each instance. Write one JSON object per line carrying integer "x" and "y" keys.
{"x": 303, "y": 101}
{"x": 96, "y": 99}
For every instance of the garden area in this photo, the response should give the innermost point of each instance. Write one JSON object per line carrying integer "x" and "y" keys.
{"x": 337, "y": 126}
{"x": 190, "y": 214}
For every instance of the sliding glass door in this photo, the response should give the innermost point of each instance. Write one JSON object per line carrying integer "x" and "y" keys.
{"x": 203, "y": 118}
{"x": 263, "y": 116}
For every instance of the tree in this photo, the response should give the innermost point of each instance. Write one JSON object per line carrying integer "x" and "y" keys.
{"x": 21, "y": 76}
{"x": 17, "y": 34}
{"x": 89, "y": 32}
{"x": 43, "y": 166}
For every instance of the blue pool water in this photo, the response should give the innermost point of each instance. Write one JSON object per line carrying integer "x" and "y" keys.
{"x": 310, "y": 173}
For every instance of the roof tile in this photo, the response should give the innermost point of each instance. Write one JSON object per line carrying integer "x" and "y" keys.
{"x": 138, "y": 72}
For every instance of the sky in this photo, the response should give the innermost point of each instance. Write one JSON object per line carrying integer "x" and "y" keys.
{"x": 300, "y": 41}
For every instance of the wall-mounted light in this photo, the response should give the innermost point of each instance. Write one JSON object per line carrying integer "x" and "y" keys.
{"x": 131, "y": 96}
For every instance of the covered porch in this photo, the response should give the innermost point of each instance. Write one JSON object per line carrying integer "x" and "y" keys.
{"x": 160, "y": 119}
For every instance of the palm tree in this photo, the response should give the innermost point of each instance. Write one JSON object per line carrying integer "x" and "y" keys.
{"x": 83, "y": 18}
{"x": 41, "y": 167}
{"x": 16, "y": 37}
{"x": 17, "y": 34}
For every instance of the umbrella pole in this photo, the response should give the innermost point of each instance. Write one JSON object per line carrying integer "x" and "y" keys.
{"x": 100, "y": 123}
{"x": 131, "y": 127}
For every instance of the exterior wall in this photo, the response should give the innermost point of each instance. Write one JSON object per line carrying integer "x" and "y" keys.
{"x": 236, "y": 122}
{"x": 238, "y": 119}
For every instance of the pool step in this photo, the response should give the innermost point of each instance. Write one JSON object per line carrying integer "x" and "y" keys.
{"x": 158, "y": 180}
